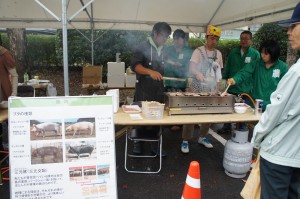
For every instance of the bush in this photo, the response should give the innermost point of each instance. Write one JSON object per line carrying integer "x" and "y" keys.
{"x": 272, "y": 31}
{"x": 41, "y": 51}
{"x": 107, "y": 44}
{"x": 47, "y": 50}
{"x": 224, "y": 46}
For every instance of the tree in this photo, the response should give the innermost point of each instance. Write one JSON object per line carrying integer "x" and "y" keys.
{"x": 272, "y": 31}
{"x": 291, "y": 56}
{"x": 107, "y": 44}
{"x": 17, "y": 43}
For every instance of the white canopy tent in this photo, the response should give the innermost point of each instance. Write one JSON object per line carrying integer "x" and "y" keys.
{"x": 189, "y": 15}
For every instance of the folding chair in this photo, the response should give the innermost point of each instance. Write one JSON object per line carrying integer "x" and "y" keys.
{"x": 135, "y": 135}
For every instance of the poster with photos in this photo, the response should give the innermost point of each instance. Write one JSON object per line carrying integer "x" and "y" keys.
{"x": 62, "y": 147}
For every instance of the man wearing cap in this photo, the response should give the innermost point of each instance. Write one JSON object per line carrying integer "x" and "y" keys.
{"x": 205, "y": 69}
{"x": 277, "y": 132}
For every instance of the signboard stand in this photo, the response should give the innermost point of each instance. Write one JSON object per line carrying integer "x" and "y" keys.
{"x": 62, "y": 147}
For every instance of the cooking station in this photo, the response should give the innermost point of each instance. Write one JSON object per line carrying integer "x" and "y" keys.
{"x": 180, "y": 103}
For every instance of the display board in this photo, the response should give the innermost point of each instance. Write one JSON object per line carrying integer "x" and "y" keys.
{"x": 62, "y": 147}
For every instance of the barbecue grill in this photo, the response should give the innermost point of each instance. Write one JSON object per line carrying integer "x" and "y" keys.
{"x": 198, "y": 103}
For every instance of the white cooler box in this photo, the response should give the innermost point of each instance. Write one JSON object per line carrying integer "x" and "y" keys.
{"x": 115, "y": 81}
{"x": 130, "y": 80}
{"x": 115, "y": 68}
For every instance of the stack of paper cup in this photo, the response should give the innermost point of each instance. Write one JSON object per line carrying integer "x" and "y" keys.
{"x": 115, "y": 97}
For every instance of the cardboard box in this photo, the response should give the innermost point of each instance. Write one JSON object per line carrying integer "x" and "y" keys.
{"x": 115, "y": 68}
{"x": 115, "y": 81}
{"x": 130, "y": 80}
{"x": 92, "y": 74}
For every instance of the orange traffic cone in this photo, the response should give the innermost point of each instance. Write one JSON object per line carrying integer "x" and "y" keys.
{"x": 192, "y": 187}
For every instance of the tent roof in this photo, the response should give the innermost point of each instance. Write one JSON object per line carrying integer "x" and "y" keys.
{"x": 190, "y": 15}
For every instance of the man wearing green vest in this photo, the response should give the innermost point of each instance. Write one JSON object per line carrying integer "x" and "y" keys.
{"x": 237, "y": 59}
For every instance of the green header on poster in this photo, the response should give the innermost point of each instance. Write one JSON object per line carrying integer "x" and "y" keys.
{"x": 60, "y": 101}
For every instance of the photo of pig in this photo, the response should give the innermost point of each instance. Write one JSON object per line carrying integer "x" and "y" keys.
{"x": 79, "y": 151}
{"x": 103, "y": 171}
{"x": 75, "y": 173}
{"x": 89, "y": 172}
{"x": 80, "y": 128}
{"x": 46, "y": 153}
{"x": 45, "y": 129}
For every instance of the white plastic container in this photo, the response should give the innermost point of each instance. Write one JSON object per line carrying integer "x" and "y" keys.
{"x": 153, "y": 110}
{"x": 240, "y": 107}
{"x": 115, "y": 97}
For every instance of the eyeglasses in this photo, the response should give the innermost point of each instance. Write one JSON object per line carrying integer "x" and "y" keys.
{"x": 166, "y": 36}
{"x": 244, "y": 39}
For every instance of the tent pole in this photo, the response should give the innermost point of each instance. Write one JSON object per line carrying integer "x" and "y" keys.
{"x": 65, "y": 47}
{"x": 92, "y": 34}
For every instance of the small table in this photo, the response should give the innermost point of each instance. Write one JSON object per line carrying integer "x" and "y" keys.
{"x": 40, "y": 86}
{"x": 123, "y": 119}
{"x": 92, "y": 88}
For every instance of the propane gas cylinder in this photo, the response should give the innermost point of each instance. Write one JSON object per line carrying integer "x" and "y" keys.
{"x": 237, "y": 155}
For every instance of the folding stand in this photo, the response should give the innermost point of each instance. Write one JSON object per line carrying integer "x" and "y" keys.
{"x": 132, "y": 136}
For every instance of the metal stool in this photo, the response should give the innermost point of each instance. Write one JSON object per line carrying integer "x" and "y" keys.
{"x": 135, "y": 136}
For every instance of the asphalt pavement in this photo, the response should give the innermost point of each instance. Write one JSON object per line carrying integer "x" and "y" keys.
{"x": 170, "y": 181}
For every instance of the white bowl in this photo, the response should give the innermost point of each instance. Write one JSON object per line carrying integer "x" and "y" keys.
{"x": 240, "y": 109}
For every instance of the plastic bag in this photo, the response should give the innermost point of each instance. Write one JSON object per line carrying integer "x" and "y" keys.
{"x": 252, "y": 188}
{"x": 51, "y": 90}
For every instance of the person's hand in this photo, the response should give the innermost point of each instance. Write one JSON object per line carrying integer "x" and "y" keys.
{"x": 231, "y": 81}
{"x": 200, "y": 76}
{"x": 155, "y": 75}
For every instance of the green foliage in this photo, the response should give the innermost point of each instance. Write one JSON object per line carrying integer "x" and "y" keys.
{"x": 223, "y": 45}
{"x": 195, "y": 43}
{"x": 107, "y": 44}
{"x": 272, "y": 31}
{"x": 5, "y": 42}
{"x": 41, "y": 50}
{"x": 47, "y": 50}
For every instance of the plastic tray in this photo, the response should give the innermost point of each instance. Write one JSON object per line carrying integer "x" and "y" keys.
{"x": 131, "y": 108}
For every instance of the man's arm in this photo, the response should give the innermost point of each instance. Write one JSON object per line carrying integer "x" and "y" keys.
{"x": 140, "y": 69}
{"x": 245, "y": 73}
{"x": 14, "y": 81}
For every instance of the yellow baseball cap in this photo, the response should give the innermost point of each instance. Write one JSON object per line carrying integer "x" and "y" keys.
{"x": 212, "y": 30}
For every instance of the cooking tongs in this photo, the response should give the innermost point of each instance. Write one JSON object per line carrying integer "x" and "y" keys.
{"x": 174, "y": 79}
